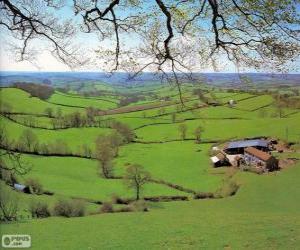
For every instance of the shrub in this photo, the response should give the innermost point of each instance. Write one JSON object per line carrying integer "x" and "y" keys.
{"x": 69, "y": 208}
{"x": 8, "y": 177}
{"x": 107, "y": 208}
{"x": 203, "y": 195}
{"x": 9, "y": 205}
{"x": 39, "y": 210}
{"x": 118, "y": 200}
{"x": 124, "y": 209}
{"x": 35, "y": 186}
{"x": 139, "y": 206}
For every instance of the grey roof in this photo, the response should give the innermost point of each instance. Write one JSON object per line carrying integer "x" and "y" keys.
{"x": 248, "y": 143}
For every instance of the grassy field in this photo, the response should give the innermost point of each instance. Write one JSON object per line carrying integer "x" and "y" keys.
{"x": 102, "y": 104}
{"x": 263, "y": 214}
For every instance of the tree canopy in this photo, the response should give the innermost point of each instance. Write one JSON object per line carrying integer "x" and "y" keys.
{"x": 169, "y": 35}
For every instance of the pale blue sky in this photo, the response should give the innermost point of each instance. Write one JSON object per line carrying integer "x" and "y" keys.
{"x": 46, "y": 62}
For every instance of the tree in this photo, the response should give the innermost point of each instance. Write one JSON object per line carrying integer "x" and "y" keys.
{"x": 104, "y": 154}
{"x": 37, "y": 90}
{"x": 280, "y": 104}
{"x": 91, "y": 112}
{"x": 49, "y": 111}
{"x": 250, "y": 34}
{"x": 28, "y": 139}
{"x": 135, "y": 178}
{"x": 58, "y": 113}
{"x": 173, "y": 117}
{"x": 182, "y": 128}
{"x": 124, "y": 130}
{"x": 198, "y": 131}
{"x": 116, "y": 140}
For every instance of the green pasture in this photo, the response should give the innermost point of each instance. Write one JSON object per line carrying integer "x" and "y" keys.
{"x": 183, "y": 163}
{"x": 224, "y": 129}
{"x": 21, "y": 102}
{"x": 263, "y": 215}
{"x": 81, "y": 178}
{"x": 57, "y": 98}
{"x": 73, "y": 137}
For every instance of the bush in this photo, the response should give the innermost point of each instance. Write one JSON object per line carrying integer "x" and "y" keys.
{"x": 203, "y": 195}
{"x": 139, "y": 206}
{"x": 124, "y": 209}
{"x": 9, "y": 205}
{"x": 8, "y": 177}
{"x": 35, "y": 186}
{"x": 107, "y": 208}
{"x": 118, "y": 200}
{"x": 39, "y": 210}
{"x": 69, "y": 208}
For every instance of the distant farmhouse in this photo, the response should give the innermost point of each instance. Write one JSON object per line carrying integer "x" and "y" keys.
{"x": 254, "y": 153}
{"x": 231, "y": 103}
{"x": 260, "y": 158}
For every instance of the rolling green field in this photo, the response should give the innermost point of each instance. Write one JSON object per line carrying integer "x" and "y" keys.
{"x": 263, "y": 214}
{"x": 62, "y": 99}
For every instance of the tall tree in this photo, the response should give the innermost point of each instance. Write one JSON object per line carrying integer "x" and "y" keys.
{"x": 28, "y": 139}
{"x": 182, "y": 128}
{"x": 136, "y": 177}
{"x": 105, "y": 154}
{"x": 198, "y": 131}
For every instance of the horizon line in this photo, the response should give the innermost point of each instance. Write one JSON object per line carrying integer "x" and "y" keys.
{"x": 150, "y": 72}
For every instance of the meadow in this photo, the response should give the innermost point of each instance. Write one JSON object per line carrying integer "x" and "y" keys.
{"x": 262, "y": 214}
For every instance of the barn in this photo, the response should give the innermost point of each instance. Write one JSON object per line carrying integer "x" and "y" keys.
{"x": 219, "y": 160}
{"x": 238, "y": 147}
{"x": 256, "y": 157}
{"x": 21, "y": 188}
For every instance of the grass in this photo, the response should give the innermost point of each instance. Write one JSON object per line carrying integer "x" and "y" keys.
{"x": 172, "y": 163}
{"x": 21, "y": 102}
{"x": 255, "y": 103}
{"x": 58, "y": 98}
{"x": 264, "y": 214}
{"x": 75, "y": 177}
{"x": 222, "y": 129}
{"x": 250, "y": 220}
{"x": 73, "y": 137}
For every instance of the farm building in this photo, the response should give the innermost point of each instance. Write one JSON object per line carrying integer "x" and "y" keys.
{"x": 237, "y": 147}
{"x": 22, "y": 188}
{"x": 219, "y": 160}
{"x": 253, "y": 156}
{"x": 231, "y": 103}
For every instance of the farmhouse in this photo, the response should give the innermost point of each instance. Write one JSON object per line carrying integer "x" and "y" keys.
{"x": 260, "y": 158}
{"x": 238, "y": 147}
{"x": 252, "y": 152}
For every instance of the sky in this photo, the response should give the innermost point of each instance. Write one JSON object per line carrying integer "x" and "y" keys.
{"x": 46, "y": 62}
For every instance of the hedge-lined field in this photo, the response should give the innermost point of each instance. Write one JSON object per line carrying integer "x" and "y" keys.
{"x": 263, "y": 214}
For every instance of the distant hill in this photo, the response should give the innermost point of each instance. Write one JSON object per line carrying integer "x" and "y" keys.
{"x": 224, "y": 79}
